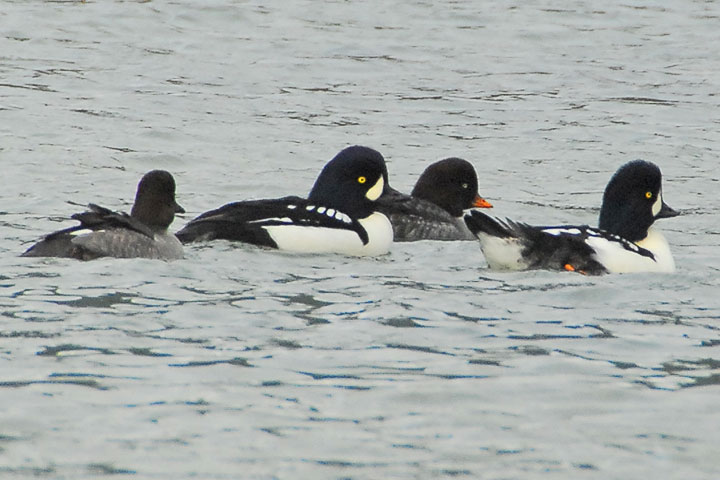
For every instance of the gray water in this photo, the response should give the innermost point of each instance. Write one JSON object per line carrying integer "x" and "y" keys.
{"x": 243, "y": 363}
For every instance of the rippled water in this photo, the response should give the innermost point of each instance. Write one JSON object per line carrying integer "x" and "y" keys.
{"x": 242, "y": 363}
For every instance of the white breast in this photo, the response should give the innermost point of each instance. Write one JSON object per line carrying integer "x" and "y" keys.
{"x": 303, "y": 239}
{"x": 617, "y": 259}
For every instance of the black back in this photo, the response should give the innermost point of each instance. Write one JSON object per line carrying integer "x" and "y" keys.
{"x": 245, "y": 221}
{"x": 342, "y": 186}
{"x": 235, "y": 221}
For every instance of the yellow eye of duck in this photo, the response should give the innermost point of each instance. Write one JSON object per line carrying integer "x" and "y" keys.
{"x": 362, "y": 179}
{"x": 648, "y": 195}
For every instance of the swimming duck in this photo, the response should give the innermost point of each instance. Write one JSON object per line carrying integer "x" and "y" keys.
{"x": 624, "y": 242}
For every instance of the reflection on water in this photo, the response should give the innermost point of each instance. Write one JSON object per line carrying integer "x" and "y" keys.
{"x": 419, "y": 364}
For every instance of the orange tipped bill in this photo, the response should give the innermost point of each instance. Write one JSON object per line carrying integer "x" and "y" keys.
{"x": 481, "y": 202}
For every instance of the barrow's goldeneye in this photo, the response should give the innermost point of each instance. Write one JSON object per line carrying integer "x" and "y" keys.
{"x": 339, "y": 215}
{"x": 623, "y": 243}
{"x": 434, "y": 209}
{"x": 104, "y": 233}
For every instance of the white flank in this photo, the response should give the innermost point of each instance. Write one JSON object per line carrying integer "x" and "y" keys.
{"x": 304, "y": 239}
{"x": 84, "y": 231}
{"x": 271, "y": 219}
{"x": 376, "y": 190}
{"x": 502, "y": 253}
{"x": 617, "y": 259}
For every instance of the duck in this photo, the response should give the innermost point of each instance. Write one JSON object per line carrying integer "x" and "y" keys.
{"x": 105, "y": 233}
{"x": 624, "y": 242}
{"x": 434, "y": 209}
{"x": 339, "y": 215}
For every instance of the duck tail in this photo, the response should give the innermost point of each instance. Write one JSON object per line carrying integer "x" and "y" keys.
{"x": 479, "y": 222}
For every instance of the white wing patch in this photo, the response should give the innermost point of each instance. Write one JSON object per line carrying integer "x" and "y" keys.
{"x": 342, "y": 217}
{"x": 272, "y": 219}
{"x": 591, "y": 232}
{"x": 84, "y": 231}
{"x": 561, "y": 231}
{"x": 627, "y": 244}
{"x": 330, "y": 212}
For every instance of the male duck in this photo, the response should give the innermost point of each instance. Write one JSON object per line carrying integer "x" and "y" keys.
{"x": 624, "y": 242}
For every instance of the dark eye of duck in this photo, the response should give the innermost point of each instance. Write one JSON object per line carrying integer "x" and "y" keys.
{"x": 648, "y": 195}
{"x": 465, "y": 185}
{"x": 362, "y": 179}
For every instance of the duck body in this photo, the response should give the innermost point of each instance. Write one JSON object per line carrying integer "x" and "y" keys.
{"x": 293, "y": 224}
{"x": 625, "y": 241}
{"x": 105, "y": 233}
{"x": 415, "y": 219}
{"x": 339, "y": 215}
{"x": 434, "y": 209}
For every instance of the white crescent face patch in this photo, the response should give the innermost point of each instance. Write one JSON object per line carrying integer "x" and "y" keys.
{"x": 376, "y": 190}
{"x": 657, "y": 206}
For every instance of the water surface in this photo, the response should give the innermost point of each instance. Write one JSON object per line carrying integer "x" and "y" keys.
{"x": 242, "y": 363}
